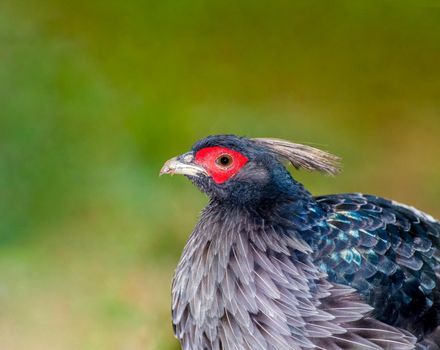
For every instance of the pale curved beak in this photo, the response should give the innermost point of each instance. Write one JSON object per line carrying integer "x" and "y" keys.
{"x": 183, "y": 165}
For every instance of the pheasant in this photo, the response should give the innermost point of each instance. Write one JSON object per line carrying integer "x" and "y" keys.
{"x": 270, "y": 266}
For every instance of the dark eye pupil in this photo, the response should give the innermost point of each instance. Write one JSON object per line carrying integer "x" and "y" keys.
{"x": 224, "y": 160}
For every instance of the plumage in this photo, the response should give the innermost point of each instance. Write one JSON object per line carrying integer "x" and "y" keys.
{"x": 401, "y": 244}
{"x": 269, "y": 266}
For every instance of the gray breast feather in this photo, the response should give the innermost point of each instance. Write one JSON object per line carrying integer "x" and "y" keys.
{"x": 241, "y": 286}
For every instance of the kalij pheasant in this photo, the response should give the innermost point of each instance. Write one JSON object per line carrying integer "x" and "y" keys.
{"x": 269, "y": 266}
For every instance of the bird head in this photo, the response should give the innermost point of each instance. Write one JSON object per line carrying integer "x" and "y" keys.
{"x": 247, "y": 171}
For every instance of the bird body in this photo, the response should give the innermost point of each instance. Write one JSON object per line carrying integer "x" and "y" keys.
{"x": 269, "y": 266}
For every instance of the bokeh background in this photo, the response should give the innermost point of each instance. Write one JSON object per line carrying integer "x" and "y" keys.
{"x": 96, "y": 95}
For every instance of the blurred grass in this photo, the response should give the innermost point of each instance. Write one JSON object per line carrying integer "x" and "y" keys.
{"x": 96, "y": 95}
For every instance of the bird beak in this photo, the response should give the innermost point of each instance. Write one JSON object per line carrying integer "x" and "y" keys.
{"x": 183, "y": 165}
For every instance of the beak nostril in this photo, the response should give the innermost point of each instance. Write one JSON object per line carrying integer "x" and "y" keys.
{"x": 188, "y": 157}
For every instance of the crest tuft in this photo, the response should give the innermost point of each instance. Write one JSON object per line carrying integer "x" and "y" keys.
{"x": 302, "y": 156}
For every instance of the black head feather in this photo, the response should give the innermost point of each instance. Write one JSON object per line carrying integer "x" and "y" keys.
{"x": 264, "y": 178}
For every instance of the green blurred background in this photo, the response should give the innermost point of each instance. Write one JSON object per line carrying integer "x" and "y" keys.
{"x": 96, "y": 95}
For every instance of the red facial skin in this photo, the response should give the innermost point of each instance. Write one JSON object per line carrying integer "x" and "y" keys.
{"x": 208, "y": 158}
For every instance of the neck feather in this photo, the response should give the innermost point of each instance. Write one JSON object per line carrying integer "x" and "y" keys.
{"x": 244, "y": 273}
{"x": 246, "y": 281}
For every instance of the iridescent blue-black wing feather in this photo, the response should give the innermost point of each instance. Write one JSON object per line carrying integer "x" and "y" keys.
{"x": 389, "y": 252}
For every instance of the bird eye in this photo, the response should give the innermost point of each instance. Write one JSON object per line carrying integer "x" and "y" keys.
{"x": 225, "y": 160}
